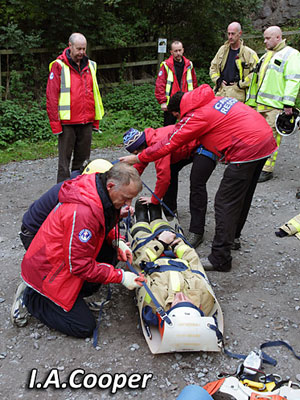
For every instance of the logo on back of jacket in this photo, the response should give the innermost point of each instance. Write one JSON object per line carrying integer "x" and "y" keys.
{"x": 224, "y": 105}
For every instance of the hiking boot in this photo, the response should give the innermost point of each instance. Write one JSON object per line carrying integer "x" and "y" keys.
{"x": 298, "y": 195}
{"x": 171, "y": 218}
{"x": 236, "y": 245}
{"x": 265, "y": 176}
{"x": 194, "y": 239}
{"x": 19, "y": 315}
{"x": 208, "y": 266}
{"x": 94, "y": 305}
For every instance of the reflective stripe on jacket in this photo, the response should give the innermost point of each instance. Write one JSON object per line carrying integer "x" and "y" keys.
{"x": 277, "y": 81}
{"x": 63, "y": 253}
{"x": 64, "y": 105}
{"x": 224, "y": 126}
{"x": 167, "y": 84}
{"x": 170, "y": 79}
{"x": 245, "y": 63}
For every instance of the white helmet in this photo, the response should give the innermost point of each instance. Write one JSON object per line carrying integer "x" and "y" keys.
{"x": 287, "y": 125}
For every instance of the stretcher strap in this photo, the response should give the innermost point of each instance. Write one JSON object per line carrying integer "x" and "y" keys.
{"x": 160, "y": 201}
{"x": 159, "y": 308}
{"x": 265, "y": 358}
{"x": 156, "y": 233}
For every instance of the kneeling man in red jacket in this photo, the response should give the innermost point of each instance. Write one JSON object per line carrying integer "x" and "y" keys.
{"x": 60, "y": 268}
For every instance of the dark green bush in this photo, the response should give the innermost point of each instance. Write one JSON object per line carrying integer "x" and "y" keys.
{"x": 138, "y": 101}
{"x": 125, "y": 107}
{"x": 23, "y": 121}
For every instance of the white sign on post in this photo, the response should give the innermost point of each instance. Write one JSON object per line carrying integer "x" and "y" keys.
{"x": 162, "y": 45}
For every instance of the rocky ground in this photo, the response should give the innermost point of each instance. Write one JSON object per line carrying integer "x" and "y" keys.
{"x": 260, "y": 297}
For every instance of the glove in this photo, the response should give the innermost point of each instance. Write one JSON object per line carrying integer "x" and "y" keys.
{"x": 124, "y": 252}
{"x": 132, "y": 281}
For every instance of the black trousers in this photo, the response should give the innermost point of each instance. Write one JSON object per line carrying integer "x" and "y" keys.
{"x": 170, "y": 198}
{"x": 201, "y": 171}
{"x": 232, "y": 203}
{"x": 79, "y": 321}
{"x": 76, "y": 140}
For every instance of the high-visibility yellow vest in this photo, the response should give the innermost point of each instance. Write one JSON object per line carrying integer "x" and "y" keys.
{"x": 170, "y": 79}
{"x": 64, "y": 103}
{"x": 268, "y": 86}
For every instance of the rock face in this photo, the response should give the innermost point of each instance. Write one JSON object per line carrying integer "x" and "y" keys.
{"x": 276, "y": 12}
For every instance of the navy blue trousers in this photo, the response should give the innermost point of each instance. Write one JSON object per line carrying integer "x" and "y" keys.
{"x": 79, "y": 321}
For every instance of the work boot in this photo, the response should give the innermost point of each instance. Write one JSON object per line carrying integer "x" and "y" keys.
{"x": 194, "y": 239}
{"x": 19, "y": 315}
{"x": 208, "y": 266}
{"x": 265, "y": 176}
{"x": 155, "y": 211}
{"x": 236, "y": 245}
{"x": 141, "y": 212}
{"x": 170, "y": 217}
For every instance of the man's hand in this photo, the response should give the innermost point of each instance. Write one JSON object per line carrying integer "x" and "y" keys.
{"x": 124, "y": 211}
{"x": 164, "y": 107}
{"x": 288, "y": 110}
{"x": 131, "y": 160}
{"x": 124, "y": 252}
{"x": 145, "y": 200}
{"x": 132, "y": 281}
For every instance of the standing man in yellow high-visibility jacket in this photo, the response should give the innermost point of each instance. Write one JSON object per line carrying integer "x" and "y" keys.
{"x": 274, "y": 86}
{"x": 74, "y": 104}
{"x": 231, "y": 69}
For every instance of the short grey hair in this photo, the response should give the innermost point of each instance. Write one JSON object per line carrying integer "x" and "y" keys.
{"x": 122, "y": 174}
{"x": 75, "y": 36}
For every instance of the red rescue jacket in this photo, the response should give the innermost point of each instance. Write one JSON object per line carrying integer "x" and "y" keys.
{"x": 235, "y": 132}
{"x": 162, "y": 166}
{"x": 161, "y": 81}
{"x": 63, "y": 253}
{"x": 82, "y": 97}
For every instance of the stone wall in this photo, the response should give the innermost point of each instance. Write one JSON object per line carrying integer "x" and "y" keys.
{"x": 276, "y": 12}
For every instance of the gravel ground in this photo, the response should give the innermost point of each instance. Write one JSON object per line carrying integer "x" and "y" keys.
{"x": 260, "y": 297}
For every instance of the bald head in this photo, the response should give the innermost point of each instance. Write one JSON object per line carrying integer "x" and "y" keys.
{"x": 76, "y": 37}
{"x": 273, "y": 36}
{"x": 235, "y": 26}
{"x": 77, "y": 45}
{"x": 234, "y": 33}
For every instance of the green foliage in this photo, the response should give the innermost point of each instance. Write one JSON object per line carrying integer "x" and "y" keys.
{"x": 22, "y": 121}
{"x": 137, "y": 104}
{"x": 203, "y": 76}
{"x": 26, "y": 122}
